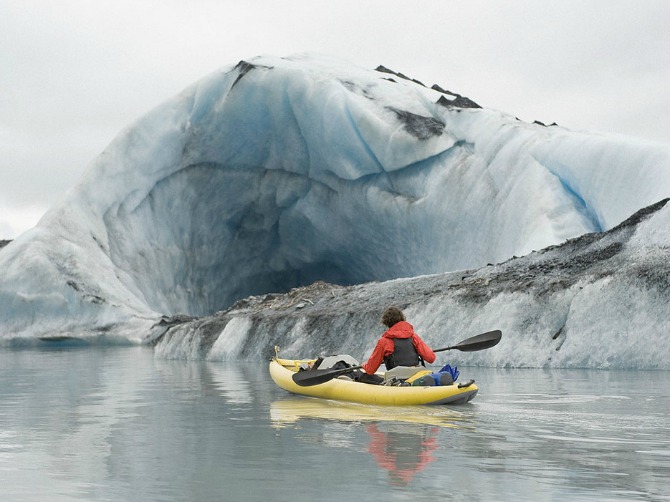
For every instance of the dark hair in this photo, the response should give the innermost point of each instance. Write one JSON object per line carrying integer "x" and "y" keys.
{"x": 391, "y": 316}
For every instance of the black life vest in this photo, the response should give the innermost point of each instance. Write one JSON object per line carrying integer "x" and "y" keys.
{"x": 404, "y": 354}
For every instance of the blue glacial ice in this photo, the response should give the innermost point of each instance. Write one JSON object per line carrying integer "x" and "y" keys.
{"x": 277, "y": 172}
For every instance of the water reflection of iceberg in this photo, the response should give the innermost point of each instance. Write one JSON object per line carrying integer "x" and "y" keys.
{"x": 233, "y": 385}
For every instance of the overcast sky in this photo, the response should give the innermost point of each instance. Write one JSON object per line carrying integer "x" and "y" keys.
{"x": 73, "y": 73}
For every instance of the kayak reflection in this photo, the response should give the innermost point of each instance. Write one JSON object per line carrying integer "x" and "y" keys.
{"x": 287, "y": 411}
{"x": 401, "y": 439}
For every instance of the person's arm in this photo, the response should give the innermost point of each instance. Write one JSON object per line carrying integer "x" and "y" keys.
{"x": 424, "y": 350}
{"x": 376, "y": 358}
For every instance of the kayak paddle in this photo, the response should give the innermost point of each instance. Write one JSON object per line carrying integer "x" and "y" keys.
{"x": 308, "y": 378}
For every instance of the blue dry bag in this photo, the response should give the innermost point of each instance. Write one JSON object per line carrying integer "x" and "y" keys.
{"x": 452, "y": 371}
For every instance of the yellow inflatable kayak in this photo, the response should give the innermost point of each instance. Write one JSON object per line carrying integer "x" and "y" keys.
{"x": 345, "y": 389}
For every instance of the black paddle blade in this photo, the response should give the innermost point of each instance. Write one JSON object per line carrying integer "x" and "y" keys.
{"x": 478, "y": 342}
{"x": 316, "y": 377}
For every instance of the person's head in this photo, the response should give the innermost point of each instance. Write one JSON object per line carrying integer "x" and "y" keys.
{"x": 391, "y": 316}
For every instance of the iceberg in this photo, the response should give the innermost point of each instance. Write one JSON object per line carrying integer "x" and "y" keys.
{"x": 275, "y": 173}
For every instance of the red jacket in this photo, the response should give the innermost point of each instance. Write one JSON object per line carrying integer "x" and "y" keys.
{"x": 385, "y": 346}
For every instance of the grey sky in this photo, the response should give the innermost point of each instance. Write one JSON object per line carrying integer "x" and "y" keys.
{"x": 75, "y": 72}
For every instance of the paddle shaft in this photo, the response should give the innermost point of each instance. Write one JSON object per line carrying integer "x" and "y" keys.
{"x": 315, "y": 377}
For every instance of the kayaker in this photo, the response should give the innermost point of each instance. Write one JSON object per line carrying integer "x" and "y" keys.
{"x": 398, "y": 346}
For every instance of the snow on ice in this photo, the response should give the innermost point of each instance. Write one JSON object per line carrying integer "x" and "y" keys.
{"x": 279, "y": 172}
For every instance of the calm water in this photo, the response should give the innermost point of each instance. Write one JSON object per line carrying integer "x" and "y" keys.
{"x": 116, "y": 424}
